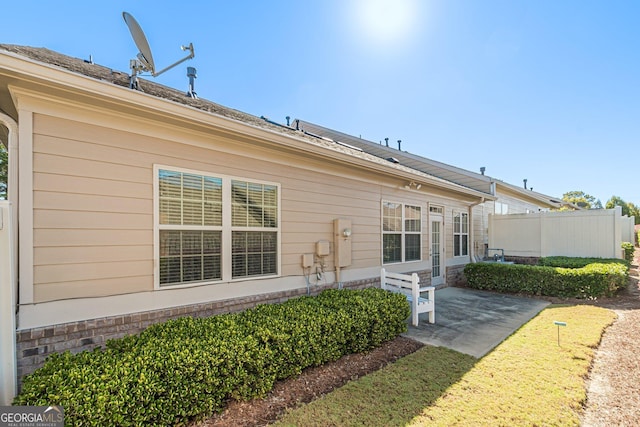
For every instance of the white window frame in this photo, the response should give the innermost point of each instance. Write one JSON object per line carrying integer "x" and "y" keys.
{"x": 226, "y": 229}
{"x": 403, "y": 232}
{"x": 501, "y": 208}
{"x": 459, "y": 235}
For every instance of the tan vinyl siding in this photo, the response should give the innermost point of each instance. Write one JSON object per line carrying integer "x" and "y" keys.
{"x": 93, "y": 254}
{"x": 452, "y": 207}
{"x": 94, "y": 288}
{"x": 93, "y": 203}
{"x": 516, "y": 205}
{"x": 93, "y": 213}
{"x": 480, "y": 224}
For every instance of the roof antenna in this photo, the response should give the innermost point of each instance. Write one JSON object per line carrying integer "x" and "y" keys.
{"x": 191, "y": 73}
{"x": 144, "y": 61}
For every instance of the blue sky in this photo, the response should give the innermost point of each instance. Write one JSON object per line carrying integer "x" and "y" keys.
{"x": 545, "y": 90}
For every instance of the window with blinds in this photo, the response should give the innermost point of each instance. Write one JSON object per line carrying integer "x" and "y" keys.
{"x": 214, "y": 228}
{"x": 460, "y": 234}
{"x": 401, "y": 232}
{"x": 254, "y": 218}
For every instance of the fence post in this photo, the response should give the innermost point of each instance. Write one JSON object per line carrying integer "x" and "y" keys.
{"x": 7, "y": 308}
{"x": 618, "y": 252}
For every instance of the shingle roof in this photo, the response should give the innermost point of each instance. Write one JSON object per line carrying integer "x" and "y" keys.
{"x": 432, "y": 167}
{"x": 119, "y": 78}
{"x": 451, "y": 173}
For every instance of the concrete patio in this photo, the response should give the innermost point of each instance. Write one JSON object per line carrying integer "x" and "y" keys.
{"x": 474, "y": 322}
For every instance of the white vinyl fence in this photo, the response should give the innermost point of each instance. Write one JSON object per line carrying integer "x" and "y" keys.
{"x": 596, "y": 233}
{"x": 7, "y": 308}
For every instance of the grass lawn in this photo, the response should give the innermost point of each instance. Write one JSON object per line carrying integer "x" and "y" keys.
{"x": 527, "y": 380}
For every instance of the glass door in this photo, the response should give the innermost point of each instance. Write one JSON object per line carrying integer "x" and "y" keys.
{"x": 436, "y": 251}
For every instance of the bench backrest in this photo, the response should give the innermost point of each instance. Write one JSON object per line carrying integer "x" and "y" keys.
{"x": 397, "y": 282}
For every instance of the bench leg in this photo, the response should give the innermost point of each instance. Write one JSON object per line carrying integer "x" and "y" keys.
{"x": 432, "y": 299}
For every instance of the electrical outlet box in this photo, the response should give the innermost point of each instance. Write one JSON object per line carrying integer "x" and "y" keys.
{"x": 342, "y": 241}
{"x": 322, "y": 248}
{"x": 307, "y": 260}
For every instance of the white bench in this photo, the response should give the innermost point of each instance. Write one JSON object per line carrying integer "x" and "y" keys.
{"x": 409, "y": 285}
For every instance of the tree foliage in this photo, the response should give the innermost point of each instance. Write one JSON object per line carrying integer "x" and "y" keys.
{"x": 582, "y": 199}
{"x": 628, "y": 208}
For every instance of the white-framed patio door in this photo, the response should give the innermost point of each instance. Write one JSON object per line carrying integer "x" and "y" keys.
{"x": 436, "y": 250}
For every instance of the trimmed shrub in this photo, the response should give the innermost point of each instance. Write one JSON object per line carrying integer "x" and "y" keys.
{"x": 187, "y": 368}
{"x": 591, "y": 281}
{"x": 628, "y": 251}
{"x": 575, "y": 262}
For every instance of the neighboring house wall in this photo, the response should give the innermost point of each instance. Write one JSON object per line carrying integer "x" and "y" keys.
{"x": 586, "y": 233}
{"x": 508, "y": 201}
{"x": 511, "y": 204}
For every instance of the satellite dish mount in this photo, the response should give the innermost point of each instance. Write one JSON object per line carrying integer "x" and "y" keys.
{"x": 144, "y": 61}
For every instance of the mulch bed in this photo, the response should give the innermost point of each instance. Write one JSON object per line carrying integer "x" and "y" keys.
{"x": 613, "y": 387}
{"x": 311, "y": 384}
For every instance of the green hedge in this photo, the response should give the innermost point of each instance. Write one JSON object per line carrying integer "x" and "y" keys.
{"x": 575, "y": 262}
{"x": 628, "y": 251}
{"x": 591, "y": 281}
{"x": 188, "y": 368}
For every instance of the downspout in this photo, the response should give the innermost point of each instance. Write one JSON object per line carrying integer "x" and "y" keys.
{"x": 8, "y": 319}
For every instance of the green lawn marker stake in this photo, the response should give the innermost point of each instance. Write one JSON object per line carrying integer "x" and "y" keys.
{"x": 558, "y": 324}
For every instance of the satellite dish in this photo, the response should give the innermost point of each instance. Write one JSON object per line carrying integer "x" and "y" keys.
{"x": 144, "y": 61}
{"x": 141, "y": 41}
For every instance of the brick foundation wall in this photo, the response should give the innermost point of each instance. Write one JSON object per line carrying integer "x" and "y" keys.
{"x": 425, "y": 277}
{"x": 455, "y": 275}
{"x": 35, "y": 345}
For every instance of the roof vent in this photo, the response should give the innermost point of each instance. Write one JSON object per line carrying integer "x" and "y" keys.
{"x": 482, "y": 169}
{"x": 399, "y": 142}
{"x": 393, "y": 160}
{"x": 191, "y": 73}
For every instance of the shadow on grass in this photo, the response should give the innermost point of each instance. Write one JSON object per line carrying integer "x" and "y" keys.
{"x": 389, "y": 396}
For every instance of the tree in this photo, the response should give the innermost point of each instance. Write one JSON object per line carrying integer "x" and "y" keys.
{"x": 4, "y": 162}
{"x": 582, "y": 199}
{"x": 628, "y": 209}
{"x": 635, "y": 211}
